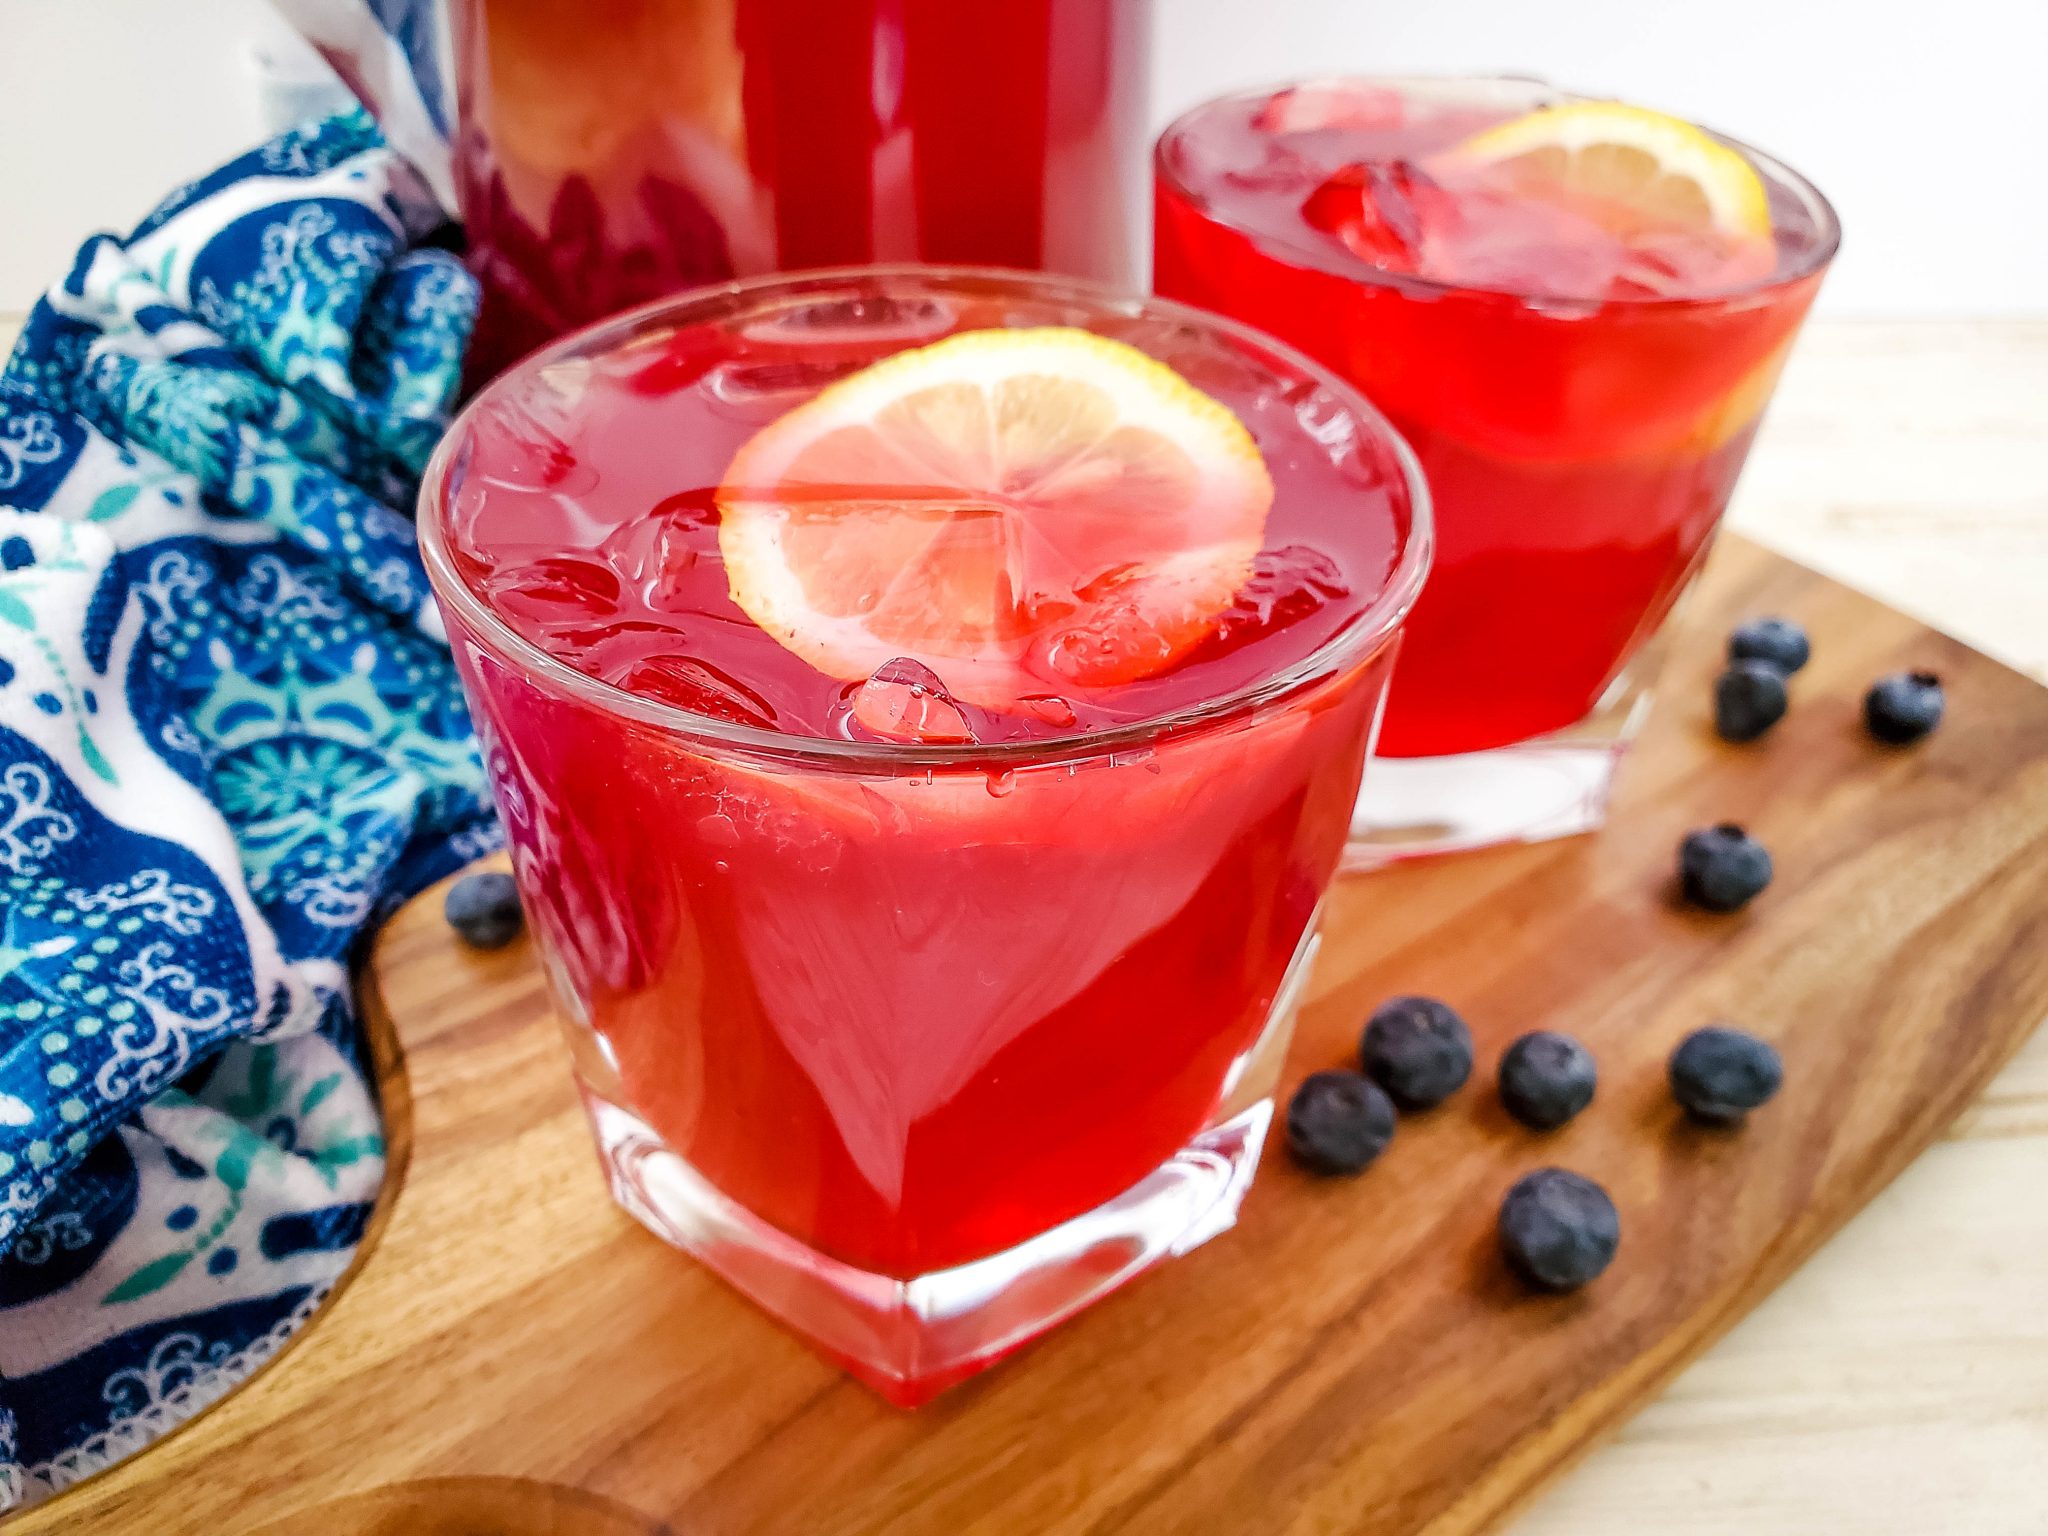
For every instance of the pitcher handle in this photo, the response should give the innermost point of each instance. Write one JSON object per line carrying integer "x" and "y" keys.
{"x": 395, "y": 56}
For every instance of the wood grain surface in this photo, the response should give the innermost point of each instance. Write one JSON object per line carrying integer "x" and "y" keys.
{"x": 1351, "y": 1358}
{"x": 1898, "y": 1383}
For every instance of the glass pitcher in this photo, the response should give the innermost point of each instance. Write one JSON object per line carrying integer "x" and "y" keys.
{"x": 609, "y": 151}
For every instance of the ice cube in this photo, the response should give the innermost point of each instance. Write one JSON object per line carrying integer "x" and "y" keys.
{"x": 873, "y": 317}
{"x": 1049, "y": 708}
{"x": 1384, "y": 211}
{"x": 1324, "y": 104}
{"x": 652, "y": 553}
{"x": 657, "y": 363}
{"x": 904, "y": 700}
{"x": 688, "y": 682}
{"x": 1325, "y": 418}
{"x": 1213, "y": 364}
{"x": 1287, "y": 585}
{"x": 556, "y": 589}
{"x": 1526, "y": 245}
{"x": 1679, "y": 263}
{"x": 792, "y": 379}
{"x": 524, "y": 440}
{"x": 1276, "y": 171}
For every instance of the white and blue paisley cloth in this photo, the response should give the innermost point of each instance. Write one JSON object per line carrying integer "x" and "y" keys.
{"x": 230, "y": 740}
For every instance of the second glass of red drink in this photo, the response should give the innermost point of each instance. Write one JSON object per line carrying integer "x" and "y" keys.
{"x": 1575, "y": 310}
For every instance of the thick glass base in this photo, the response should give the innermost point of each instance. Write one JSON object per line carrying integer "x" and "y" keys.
{"x": 1556, "y": 785}
{"x": 912, "y": 1338}
{"x": 1411, "y": 807}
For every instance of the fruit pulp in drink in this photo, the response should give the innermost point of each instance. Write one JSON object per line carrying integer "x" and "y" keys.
{"x": 613, "y": 151}
{"x": 914, "y": 1012}
{"x": 1581, "y": 380}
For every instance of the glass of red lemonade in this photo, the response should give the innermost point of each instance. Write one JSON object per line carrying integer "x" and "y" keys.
{"x": 1575, "y": 310}
{"x": 927, "y": 706}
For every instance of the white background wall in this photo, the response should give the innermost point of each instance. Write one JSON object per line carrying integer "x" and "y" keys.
{"x": 1925, "y": 120}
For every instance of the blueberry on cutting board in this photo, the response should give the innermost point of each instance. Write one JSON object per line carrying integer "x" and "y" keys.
{"x": 1546, "y": 1079}
{"x": 1418, "y": 1049}
{"x": 1749, "y": 698}
{"x": 1558, "y": 1230}
{"x": 1338, "y": 1122}
{"x": 1776, "y": 642}
{"x": 1902, "y": 708}
{"x": 1719, "y": 1074}
{"x": 1722, "y": 868}
{"x": 484, "y": 909}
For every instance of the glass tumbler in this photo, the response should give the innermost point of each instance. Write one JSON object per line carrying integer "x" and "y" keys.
{"x": 1580, "y": 450}
{"x": 922, "y": 1046}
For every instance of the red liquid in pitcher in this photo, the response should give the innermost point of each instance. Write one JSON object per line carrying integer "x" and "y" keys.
{"x": 612, "y": 151}
{"x": 909, "y": 1017}
{"x": 1580, "y": 386}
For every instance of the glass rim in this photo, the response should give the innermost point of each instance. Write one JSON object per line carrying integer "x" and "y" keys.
{"x": 1827, "y": 222}
{"x": 1375, "y": 625}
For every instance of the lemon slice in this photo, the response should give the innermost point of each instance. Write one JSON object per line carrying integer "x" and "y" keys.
{"x": 1020, "y": 510}
{"x": 1659, "y": 168}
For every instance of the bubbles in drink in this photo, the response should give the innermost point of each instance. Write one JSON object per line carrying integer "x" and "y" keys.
{"x": 904, "y": 700}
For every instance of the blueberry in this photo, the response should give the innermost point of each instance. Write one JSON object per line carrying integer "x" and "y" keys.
{"x": 484, "y": 910}
{"x": 1776, "y": 642}
{"x": 1558, "y": 1230}
{"x": 1338, "y": 1122}
{"x": 1418, "y": 1049}
{"x": 1720, "y": 1075}
{"x": 1903, "y": 707}
{"x": 1749, "y": 698}
{"x": 1721, "y": 868}
{"x": 1546, "y": 1078}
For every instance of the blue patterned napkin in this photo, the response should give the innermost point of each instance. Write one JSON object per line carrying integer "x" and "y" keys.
{"x": 230, "y": 740}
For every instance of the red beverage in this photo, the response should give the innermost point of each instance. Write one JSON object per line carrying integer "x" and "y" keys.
{"x": 924, "y": 824}
{"x": 616, "y": 150}
{"x": 1578, "y": 342}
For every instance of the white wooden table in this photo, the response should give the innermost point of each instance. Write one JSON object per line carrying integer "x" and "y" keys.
{"x": 1898, "y": 1384}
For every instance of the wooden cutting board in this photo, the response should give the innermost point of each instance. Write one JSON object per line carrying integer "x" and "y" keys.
{"x": 513, "y": 1356}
